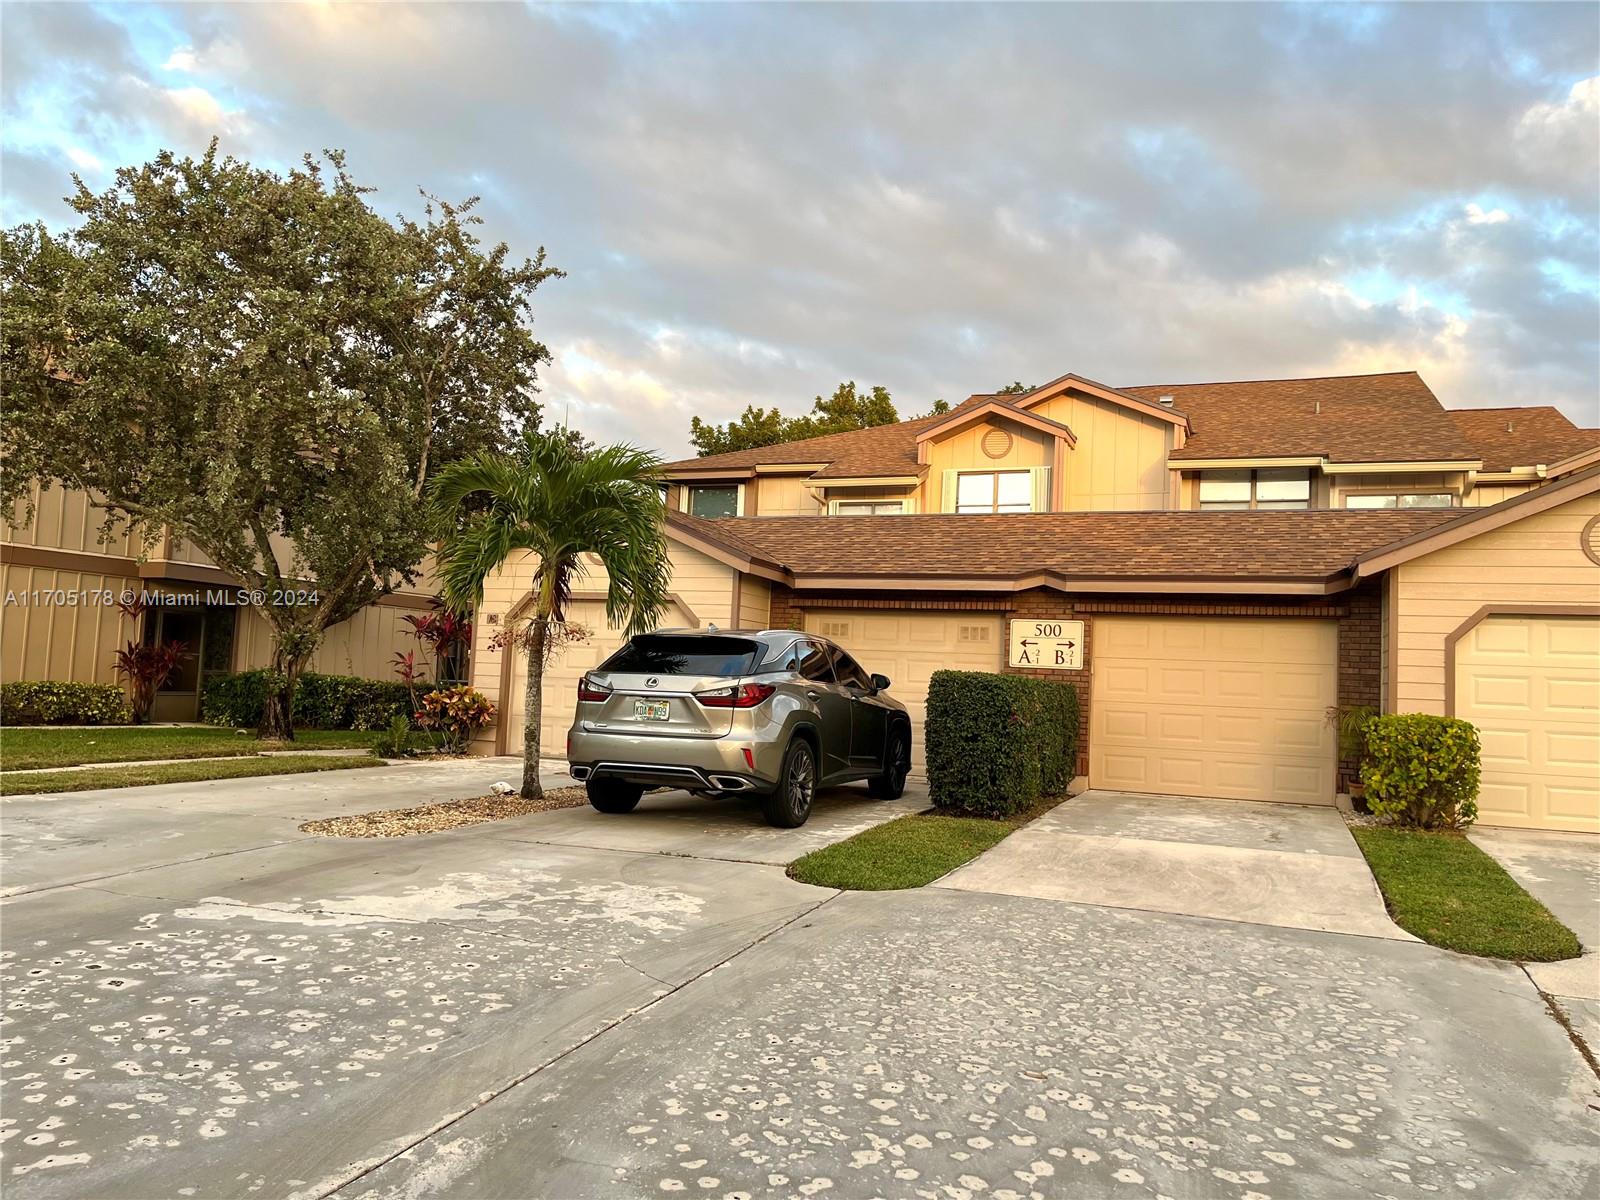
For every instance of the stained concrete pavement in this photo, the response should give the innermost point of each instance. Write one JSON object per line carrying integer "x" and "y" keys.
{"x": 508, "y": 1010}
{"x": 1296, "y": 867}
{"x": 950, "y": 1044}
{"x": 1562, "y": 870}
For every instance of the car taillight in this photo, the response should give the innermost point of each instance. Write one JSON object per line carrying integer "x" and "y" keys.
{"x": 588, "y": 689}
{"x": 746, "y": 695}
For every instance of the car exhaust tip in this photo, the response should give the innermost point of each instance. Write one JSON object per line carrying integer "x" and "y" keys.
{"x": 579, "y": 773}
{"x": 730, "y": 783}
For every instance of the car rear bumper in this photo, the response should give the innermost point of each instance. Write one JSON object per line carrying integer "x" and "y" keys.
{"x": 704, "y": 764}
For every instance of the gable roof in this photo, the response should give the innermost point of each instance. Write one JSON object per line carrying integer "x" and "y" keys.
{"x": 969, "y": 413}
{"x": 1000, "y": 552}
{"x": 1342, "y": 418}
{"x": 1506, "y": 438}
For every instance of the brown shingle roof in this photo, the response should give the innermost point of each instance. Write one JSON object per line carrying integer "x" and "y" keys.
{"x": 1348, "y": 418}
{"x": 1522, "y": 437}
{"x": 1132, "y": 545}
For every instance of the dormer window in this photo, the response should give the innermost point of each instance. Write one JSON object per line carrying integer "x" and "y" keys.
{"x": 719, "y": 500}
{"x": 994, "y": 492}
{"x": 1267, "y": 488}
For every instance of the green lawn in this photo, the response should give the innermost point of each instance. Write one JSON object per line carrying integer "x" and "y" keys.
{"x": 180, "y": 772}
{"x": 907, "y": 852}
{"x": 23, "y": 747}
{"x": 1446, "y": 891}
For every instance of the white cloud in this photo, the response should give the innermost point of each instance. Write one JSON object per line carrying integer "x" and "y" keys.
{"x": 1494, "y": 216}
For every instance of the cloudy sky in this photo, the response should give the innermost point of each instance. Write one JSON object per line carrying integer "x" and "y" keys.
{"x": 755, "y": 202}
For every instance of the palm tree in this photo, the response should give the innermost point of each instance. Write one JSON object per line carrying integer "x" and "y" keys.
{"x": 560, "y": 502}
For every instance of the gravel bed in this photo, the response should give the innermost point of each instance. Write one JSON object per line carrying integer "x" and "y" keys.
{"x": 450, "y": 814}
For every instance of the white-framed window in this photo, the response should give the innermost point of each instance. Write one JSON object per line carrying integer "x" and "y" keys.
{"x": 868, "y": 508}
{"x": 1264, "y": 488}
{"x": 994, "y": 491}
{"x": 1400, "y": 500}
{"x": 714, "y": 500}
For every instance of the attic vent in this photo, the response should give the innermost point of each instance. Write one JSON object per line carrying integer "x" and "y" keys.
{"x": 1167, "y": 400}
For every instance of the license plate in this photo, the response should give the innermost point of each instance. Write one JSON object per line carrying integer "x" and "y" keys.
{"x": 649, "y": 710}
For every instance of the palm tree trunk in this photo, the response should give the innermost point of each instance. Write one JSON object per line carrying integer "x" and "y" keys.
{"x": 533, "y": 707}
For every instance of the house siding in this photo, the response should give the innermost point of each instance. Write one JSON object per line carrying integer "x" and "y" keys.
{"x": 1537, "y": 561}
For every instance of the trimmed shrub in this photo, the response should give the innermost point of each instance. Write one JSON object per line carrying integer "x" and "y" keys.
{"x": 997, "y": 743}
{"x": 320, "y": 701}
{"x": 47, "y": 702}
{"x": 1422, "y": 770}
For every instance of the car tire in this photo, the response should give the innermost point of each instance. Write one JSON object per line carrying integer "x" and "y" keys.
{"x": 788, "y": 805}
{"x": 613, "y": 795}
{"x": 891, "y": 785}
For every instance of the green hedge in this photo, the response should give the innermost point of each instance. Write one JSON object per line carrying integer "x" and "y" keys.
{"x": 1422, "y": 770}
{"x": 320, "y": 701}
{"x": 47, "y": 702}
{"x": 996, "y": 743}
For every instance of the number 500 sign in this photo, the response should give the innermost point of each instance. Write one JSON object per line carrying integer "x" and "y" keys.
{"x": 1049, "y": 645}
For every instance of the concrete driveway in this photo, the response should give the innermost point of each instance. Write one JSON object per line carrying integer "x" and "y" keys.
{"x": 502, "y": 1011}
{"x": 1269, "y": 864}
{"x": 1563, "y": 871}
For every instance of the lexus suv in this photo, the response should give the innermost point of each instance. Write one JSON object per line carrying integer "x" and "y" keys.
{"x": 772, "y": 712}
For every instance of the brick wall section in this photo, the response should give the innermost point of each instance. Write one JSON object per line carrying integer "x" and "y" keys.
{"x": 1360, "y": 658}
{"x": 1359, "y": 614}
{"x": 1042, "y": 604}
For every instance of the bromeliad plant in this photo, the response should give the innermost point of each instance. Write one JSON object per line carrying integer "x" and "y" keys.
{"x": 555, "y": 500}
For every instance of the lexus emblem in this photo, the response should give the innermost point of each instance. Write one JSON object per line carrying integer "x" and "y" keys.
{"x": 651, "y": 682}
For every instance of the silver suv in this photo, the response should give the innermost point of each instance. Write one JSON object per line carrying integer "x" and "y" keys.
{"x": 771, "y": 712}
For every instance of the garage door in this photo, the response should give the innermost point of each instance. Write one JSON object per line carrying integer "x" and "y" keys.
{"x": 909, "y": 648}
{"x": 1213, "y": 707}
{"x": 1532, "y": 687}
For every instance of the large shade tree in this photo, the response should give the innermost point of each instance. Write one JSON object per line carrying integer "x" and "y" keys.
{"x": 559, "y": 502}
{"x": 267, "y": 367}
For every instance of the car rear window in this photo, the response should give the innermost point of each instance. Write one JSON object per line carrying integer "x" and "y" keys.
{"x": 708, "y": 655}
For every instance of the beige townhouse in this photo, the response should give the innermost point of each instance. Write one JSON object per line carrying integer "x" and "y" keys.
{"x": 1213, "y": 566}
{"x": 59, "y": 620}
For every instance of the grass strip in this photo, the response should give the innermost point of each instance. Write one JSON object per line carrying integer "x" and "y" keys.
{"x": 180, "y": 772}
{"x": 25, "y": 747}
{"x": 1446, "y": 891}
{"x": 908, "y": 852}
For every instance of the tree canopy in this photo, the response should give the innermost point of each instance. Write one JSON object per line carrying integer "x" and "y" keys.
{"x": 267, "y": 366}
{"x": 846, "y": 409}
{"x": 1015, "y": 388}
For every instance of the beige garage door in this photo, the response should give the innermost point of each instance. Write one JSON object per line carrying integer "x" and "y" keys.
{"x": 1532, "y": 687}
{"x": 909, "y": 647}
{"x": 1213, "y": 707}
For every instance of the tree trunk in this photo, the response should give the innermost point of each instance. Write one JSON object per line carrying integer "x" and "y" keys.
{"x": 533, "y": 707}
{"x": 277, "y": 714}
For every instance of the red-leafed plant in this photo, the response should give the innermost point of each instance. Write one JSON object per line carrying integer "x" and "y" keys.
{"x": 405, "y": 666}
{"x": 146, "y": 667}
{"x": 442, "y": 631}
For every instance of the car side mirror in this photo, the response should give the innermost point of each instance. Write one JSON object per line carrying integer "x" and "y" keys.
{"x": 880, "y": 683}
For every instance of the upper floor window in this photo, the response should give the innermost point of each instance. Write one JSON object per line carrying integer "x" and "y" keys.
{"x": 719, "y": 501}
{"x": 867, "y": 508}
{"x": 1399, "y": 500}
{"x": 994, "y": 492}
{"x": 1267, "y": 487}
